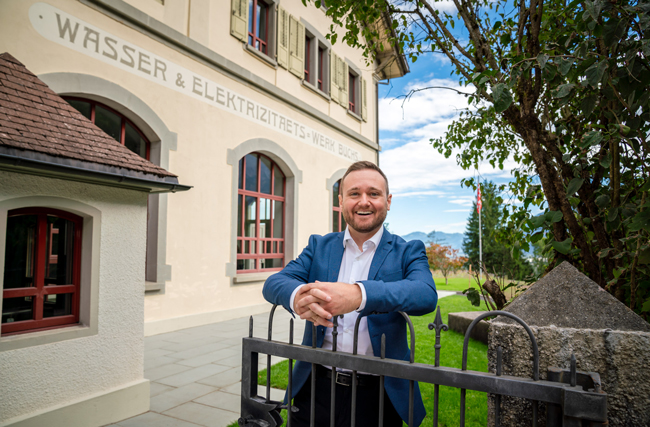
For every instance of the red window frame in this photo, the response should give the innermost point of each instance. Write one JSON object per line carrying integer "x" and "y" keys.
{"x": 337, "y": 211}
{"x": 321, "y": 53}
{"x": 40, "y": 290}
{"x": 307, "y": 57}
{"x": 124, "y": 121}
{"x": 257, "y": 244}
{"x": 255, "y": 39}
{"x": 352, "y": 94}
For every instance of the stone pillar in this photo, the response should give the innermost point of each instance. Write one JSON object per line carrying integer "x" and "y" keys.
{"x": 571, "y": 314}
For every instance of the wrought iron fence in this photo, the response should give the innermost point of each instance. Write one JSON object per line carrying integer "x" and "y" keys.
{"x": 572, "y": 398}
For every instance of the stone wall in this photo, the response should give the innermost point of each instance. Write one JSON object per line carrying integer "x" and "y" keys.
{"x": 570, "y": 314}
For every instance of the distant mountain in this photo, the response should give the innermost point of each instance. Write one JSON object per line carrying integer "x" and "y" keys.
{"x": 455, "y": 240}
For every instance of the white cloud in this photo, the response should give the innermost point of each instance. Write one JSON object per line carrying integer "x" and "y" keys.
{"x": 422, "y": 108}
{"x": 455, "y": 227}
{"x": 420, "y": 193}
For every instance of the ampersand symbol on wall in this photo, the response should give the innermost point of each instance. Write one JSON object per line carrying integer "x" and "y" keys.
{"x": 179, "y": 80}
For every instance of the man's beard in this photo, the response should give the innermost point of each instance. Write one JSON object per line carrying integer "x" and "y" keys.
{"x": 367, "y": 229}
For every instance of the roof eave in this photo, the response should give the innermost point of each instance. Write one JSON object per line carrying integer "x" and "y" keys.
{"x": 19, "y": 164}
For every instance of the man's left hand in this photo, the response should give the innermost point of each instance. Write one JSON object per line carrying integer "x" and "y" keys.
{"x": 343, "y": 297}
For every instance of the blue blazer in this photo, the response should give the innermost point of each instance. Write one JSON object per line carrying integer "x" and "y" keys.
{"x": 399, "y": 280}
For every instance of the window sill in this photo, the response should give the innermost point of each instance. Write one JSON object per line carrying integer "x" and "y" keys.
{"x": 31, "y": 339}
{"x": 259, "y": 55}
{"x": 314, "y": 89}
{"x": 154, "y": 288}
{"x": 355, "y": 115}
{"x": 251, "y": 277}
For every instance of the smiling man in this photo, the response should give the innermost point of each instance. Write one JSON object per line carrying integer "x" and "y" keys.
{"x": 364, "y": 271}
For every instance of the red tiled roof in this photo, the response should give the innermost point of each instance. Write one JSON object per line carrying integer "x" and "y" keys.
{"x": 35, "y": 118}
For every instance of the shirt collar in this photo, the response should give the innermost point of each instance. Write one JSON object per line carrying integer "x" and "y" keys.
{"x": 375, "y": 239}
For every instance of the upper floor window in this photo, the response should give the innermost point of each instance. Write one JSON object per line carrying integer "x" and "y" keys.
{"x": 352, "y": 99}
{"x": 114, "y": 124}
{"x": 42, "y": 271}
{"x": 338, "y": 222}
{"x": 316, "y": 62}
{"x": 258, "y": 25}
{"x": 260, "y": 214}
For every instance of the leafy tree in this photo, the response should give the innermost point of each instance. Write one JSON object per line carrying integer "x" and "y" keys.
{"x": 501, "y": 256}
{"x": 560, "y": 87}
{"x": 445, "y": 259}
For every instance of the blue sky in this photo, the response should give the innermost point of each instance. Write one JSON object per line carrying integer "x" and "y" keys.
{"x": 425, "y": 186}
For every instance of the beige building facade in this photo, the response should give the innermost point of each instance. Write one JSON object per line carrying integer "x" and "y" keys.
{"x": 246, "y": 100}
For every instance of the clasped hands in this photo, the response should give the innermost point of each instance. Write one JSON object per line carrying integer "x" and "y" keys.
{"x": 318, "y": 302}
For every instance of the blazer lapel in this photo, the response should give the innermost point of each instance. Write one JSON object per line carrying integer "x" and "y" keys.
{"x": 336, "y": 257}
{"x": 385, "y": 246}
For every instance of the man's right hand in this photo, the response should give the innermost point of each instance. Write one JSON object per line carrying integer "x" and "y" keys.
{"x": 308, "y": 305}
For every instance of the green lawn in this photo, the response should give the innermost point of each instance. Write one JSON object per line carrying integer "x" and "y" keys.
{"x": 450, "y": 356}
{"x": 454, "y": 283}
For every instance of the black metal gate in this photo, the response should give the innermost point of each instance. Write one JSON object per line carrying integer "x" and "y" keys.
{"x": 572, "y": 398}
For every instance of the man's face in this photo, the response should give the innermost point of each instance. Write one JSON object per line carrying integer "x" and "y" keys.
{"x": 363, "y": 200}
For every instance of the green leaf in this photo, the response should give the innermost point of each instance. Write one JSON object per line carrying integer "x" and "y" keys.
{"x": 613, "y": 214}
{"x": 595, "y": 73}
{"x": 553, "y": 216}
{"x": 588, "y": 104}
{"x": 604, "y": 252}
{"x": 602, "y": 201}
{"x": 542, "y": 59}
{"x": 606, "y": 161}
{"x": 565, "y": 65}
{"x": 537, "y": 221}
{"x": 574, "y": 185}
{"x": 646, "y": 306}
{"x": 536, "y": 237}
{"x": 591, "y": 138}
{"x": 502, "y": 97}
{"x": 563, "y": 90}
{"x": 473, "y": 296}
{"x": 562, "y": 247}
{"x": 641, "y": 221}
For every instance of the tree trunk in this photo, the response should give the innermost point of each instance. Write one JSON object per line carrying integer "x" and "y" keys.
{"x": 495, "y": 292}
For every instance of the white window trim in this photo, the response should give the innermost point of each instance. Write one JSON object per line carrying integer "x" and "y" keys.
{"x": 293, "y": 177}
{"x": 89, "y": 286}
{"x": 329, "y": 185}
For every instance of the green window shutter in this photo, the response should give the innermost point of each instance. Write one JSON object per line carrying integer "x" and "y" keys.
{"x": 296, "y": 47}
{"x": 334, "y": 77}
{"x": 239, "y": 19}
{"x": 283, "y": 38}
{"x": 364, "y": 98}
{"x": 343, "y": 79}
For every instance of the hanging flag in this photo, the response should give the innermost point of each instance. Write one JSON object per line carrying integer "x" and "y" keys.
{"x": 479, "y": 203}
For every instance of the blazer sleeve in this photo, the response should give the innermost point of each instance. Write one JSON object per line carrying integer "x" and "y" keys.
{"x": 279, "y": 287}
{"x": 414, "y": 294}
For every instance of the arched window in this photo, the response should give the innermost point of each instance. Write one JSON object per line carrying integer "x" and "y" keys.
{"x": 338, "y": 222}
{"x": 260, "y": 214}
{"x": 42, "y": 272}
{"x": 114, "y": 124}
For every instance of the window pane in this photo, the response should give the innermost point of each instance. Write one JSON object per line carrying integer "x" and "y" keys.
{"x": 20, "y": 251}
{"x": 251, "y": 20}
{"x": 335, "y": 221}
{"x": 82, "y": 106}
{"x": 278, "y": 219}
{"x": 335, "y": 194}
{"x": 60, "y": 251}
{"x": 265, "y": 179}
{"x": 265, "y": 218}
{"x": 57, "y": 305}
{"x": 17, "y": 309}
{"x": 239, "y": 213}
{"x": 262, "y": 11}
{"x": 271, "y": 263}
{"x": 251, "y": 172}
{"x": 241, "y": 174}
{"x": 239, "y": 246}
{"x": 281, "y": 250}
{"x": 249, "y": 220}
{"x": 278, "y": 189}
{"x": 269, "y": 245}
{"x": 109, "y": 122}
{"x": 134, "y": 142}
{"x": 343, "y": 224}
{"x": 245, "y": 264}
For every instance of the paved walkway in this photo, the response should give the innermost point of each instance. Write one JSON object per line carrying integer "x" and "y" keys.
{"x": 195, "y": 373}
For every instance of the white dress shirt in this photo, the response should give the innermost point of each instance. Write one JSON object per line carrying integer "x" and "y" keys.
{"x": 354, "y": 268}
